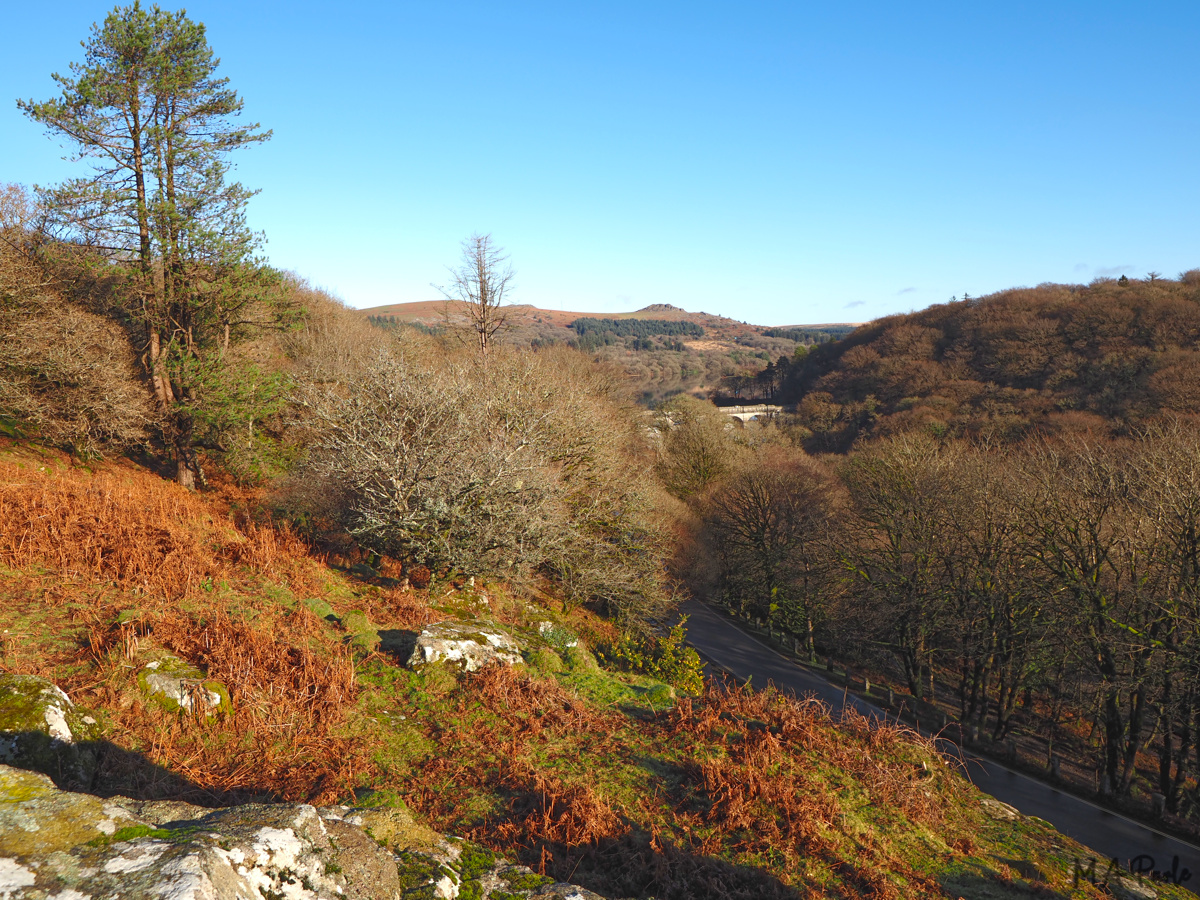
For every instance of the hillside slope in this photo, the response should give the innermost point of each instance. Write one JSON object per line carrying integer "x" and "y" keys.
{"x": 585, "y": 774}
{"x": 1054, "y": 357}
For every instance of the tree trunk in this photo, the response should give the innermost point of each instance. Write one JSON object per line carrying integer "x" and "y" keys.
{"x": 1114, "y": 737}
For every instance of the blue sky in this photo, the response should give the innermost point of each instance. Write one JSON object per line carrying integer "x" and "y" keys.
{"x": 779, "y": 163}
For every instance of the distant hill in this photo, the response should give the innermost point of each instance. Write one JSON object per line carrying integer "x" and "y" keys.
{"x": 702, "y": 354}
{"x": 432, "y": 312}
{"x": 1055, "y": 357}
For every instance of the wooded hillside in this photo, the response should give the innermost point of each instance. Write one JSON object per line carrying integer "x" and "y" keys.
{"x": 1055, "y": 357}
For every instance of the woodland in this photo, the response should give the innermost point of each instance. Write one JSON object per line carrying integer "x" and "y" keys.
{"x": 998, "y": 496}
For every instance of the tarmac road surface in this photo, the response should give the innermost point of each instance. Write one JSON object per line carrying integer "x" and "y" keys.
{"x": 1110, "y": 835}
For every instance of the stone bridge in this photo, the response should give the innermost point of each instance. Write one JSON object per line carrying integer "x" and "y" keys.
{"x": 744, "y": 414}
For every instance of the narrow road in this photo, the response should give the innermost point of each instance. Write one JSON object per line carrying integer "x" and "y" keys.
{"x": 1108, "y": 834}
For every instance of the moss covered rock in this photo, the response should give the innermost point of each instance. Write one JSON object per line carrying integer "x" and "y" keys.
{"x": 320, "y": 609}
{"x": 58, "y": 844}
{"x": 41, "y": 729}
{"x": 180, "y": 687}
{"x": 362, "y": 634}
{"x": 38, "y": 820}
{"x": 580, "y": 659}
{"x": 471, "y": 646}
{"x": 660, "y": 695}
{"x": 544, "y": 659}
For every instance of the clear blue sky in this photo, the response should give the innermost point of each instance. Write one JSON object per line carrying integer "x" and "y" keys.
{"x": 774, "y": 162}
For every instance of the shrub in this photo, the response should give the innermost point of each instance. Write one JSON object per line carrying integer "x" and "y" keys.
{"x": 667, "y": 658}
{"x": 67, "y": 375}
{"x": 526, "y": 465}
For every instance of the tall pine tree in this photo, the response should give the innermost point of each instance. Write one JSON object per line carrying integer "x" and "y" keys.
{"x": 147, "y": 111}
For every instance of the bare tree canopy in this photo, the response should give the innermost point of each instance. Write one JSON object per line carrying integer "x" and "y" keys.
{"x": 480, "y": 283}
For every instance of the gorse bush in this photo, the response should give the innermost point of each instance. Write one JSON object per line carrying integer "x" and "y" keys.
{"x": 667, "y": 658}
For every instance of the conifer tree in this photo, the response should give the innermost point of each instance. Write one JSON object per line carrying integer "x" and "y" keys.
{"x": 147, "y": 111}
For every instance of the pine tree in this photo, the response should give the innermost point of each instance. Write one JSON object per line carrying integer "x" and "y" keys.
{"x": 147, "y": 111}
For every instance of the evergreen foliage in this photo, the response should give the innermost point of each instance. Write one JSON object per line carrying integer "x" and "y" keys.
{"x": 147, "y": 111}
{"x": 808, "y": 336}
{"x": 639, "y": 328}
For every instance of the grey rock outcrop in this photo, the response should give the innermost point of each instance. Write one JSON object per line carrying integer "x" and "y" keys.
{"x": 471, "y": 646}
{"x": 56, "y": 844}
{"x": 179, "y": 686}
{"x": 41, "y": 729}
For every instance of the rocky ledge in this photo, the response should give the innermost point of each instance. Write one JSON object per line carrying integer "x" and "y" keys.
{"x": 59, "y": 845}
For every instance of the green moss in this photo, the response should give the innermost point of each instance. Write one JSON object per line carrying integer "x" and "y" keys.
{"x": 475, "y": 861}
{"x": 134, "y": 832}
{"x": 130, "y": 833}
{"x": 363, "y": 635}
{"x": 419, "y": 876}
{"x": 522, "y": 881}
{"x": 416, "y": 871}
{"x": 320, "y": 609}
{"x": 21, "y": 704}
{"x": 580, "y": 659}
{"x": 543, "y": 659}
{"x": 278, "y": 593}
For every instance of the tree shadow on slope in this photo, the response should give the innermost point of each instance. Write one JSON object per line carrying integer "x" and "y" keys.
{"x": 980, "y": 882}
{"x": 641, "y": 865}
{"x": 104, "y": 769}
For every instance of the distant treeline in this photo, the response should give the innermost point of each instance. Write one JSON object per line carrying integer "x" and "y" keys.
{"x": 391, "y": 322}
{"x": 808, "y": 335}
{"x": 638, "y": 328}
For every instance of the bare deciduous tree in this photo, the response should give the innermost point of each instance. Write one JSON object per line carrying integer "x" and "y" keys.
{"x": 769, "y": 526}
{"x": 480, "y": 283}
{"x": 532, "y": 465}
{"x": 695, "y": 449}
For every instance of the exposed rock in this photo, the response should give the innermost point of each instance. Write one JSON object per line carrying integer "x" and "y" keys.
{"x": 179, "y": 686}
{"x": 561, "y": 639}
{"x": 998, "y": 810}
{"x": 63, "y": 845}
{"x": 41, "y": 729}
{"x": 562, "y": 891}
{"x": 1131, "y": 889}
{"x": 471, "y": 646}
